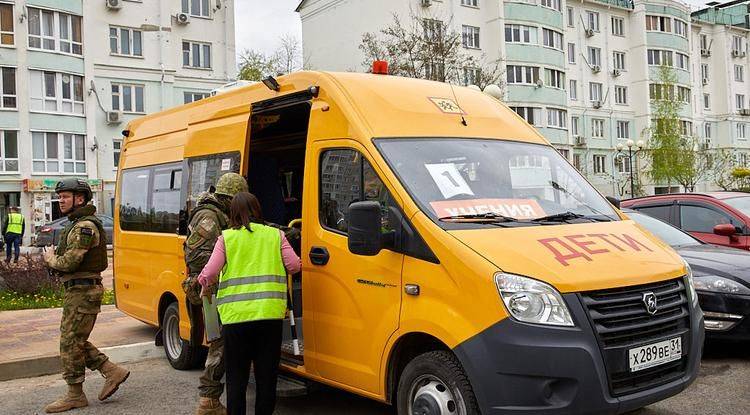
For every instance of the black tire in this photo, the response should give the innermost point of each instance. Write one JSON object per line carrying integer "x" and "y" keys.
{"x": 431, "y": 372}
{"x": 180, "y": 353}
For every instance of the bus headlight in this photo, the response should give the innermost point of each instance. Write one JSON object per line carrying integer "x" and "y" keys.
{"x": 692, "y": 296}
{"x": 532, "y": 301}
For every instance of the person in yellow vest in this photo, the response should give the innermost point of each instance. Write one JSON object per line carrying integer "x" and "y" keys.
{"x": 251, "y": 261}
{"x": 13, "y": 230}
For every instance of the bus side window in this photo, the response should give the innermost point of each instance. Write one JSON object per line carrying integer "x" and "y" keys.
{"x": 134, "y": 211}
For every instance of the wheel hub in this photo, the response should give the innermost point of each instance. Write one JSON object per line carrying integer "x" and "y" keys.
{"x": 433, "y": 398}
{"x": 172, "y": 340}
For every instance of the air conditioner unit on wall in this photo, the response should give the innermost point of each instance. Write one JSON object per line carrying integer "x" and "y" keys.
{"x": 745, "y": 111}
{"x": 589, "y": 32}
{"x": 596, "y": 69}
{"x": 114, "y": 117}
{"x": 182, "y": 18}
{"x": 580, "y": 140}
{"x": 539, "y": 83}
{"x": 704, "y": 81}
{"x": 616, "y": 72}
{"x": 705, "y": 53}
{"x": 426, "y": 3}
{"x": 114, "y": 4}
{"x": 596, "y": 104}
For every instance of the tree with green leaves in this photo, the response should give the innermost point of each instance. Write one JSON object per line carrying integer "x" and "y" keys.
{"x": 254, "y": 65}
{"x": 428, "y": 48}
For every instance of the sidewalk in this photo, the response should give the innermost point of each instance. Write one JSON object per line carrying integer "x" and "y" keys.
{"x": 34, "y": 335}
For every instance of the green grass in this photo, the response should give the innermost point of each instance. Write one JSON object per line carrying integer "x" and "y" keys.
{"x": 44, "y": 299}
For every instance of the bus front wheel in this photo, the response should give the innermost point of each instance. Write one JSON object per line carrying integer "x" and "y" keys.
{"x": 434, "y": 383}
{"x": 180, "y": 353}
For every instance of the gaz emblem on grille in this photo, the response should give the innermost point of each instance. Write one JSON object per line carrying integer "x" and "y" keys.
{"x": 649, "y": 300}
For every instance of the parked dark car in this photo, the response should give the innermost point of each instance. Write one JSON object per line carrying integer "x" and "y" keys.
{"x": 49, "y": 234}
{"x": 720, "y": 218}
{"x": 721, "y": 277}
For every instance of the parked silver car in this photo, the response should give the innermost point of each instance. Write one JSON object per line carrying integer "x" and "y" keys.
{"x": 49, "y": 234}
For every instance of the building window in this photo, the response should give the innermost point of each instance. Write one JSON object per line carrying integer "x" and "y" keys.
{"x": 557, "y": 118}
{"x": 7, "y": 21}
{"x": 127, "y": 98}
{"x": 741, "y": 130}
{"x": 554, "y": 78}
{"x": 552, "y": 39}
{"x": 621, "y": 95}
{"x": 552, "y": 4}
{"x": 573, "y": 87}
{"x": 58, "y": 153}
{"x": 658, "y": 91}
{"x": 658, "y": 57}
{"x": 577, "y": 162}
{"x": 194, "y": 96}
{"x": 564, "y": 152}
{"x": 600, "y": 164}
{"x": 8, "y": 151}
{"x": 435, "y": 71}
{"x": 704, "y": 42}
{"x": 739, "y": 99}
{"x": 472, "y": 3}
{"x": 683, "y": 62}
{"x": 8, "y": 87}
{"x": 56, "y": 92}
{"x": 680, "y": 28}
{"x": 623, "y": 129}
{"x": 470, "y": 36}
{"x": 739, "y": 73}
{"x": 706, "y": 101}
{"x": 707, "y": 129}
{"x": 622, "y": 164}
{"x": 572, "y": 53}
{"x": 597, "y": 128}
{"x": 738, "y": 45}
{"x": 433, "y": 29}
{"x": 619, "y": 60}
{"x": 574, "y": 126}
{"x": 125, "y": 41}
{"x": 592, "y": 18}
{"x": 595, "y": 91}
{"x": 515, "y": 33}
{"x": 595, "y": 56}
{"x": 658, "y": 23}
{"x": 532, "y": 115}
{"x": 472, "y": 76}
{"x": 116, "y": 150}
{"x": 683, "y": 94}
{"x": 516, "y": 74}
{"x": 704, "y": 71}
{"x": 196, "y": 55}
{"x": 618, "y": 26}
{"x": 197, "y": 8}
{"x": 55, "y": 31}
{"x": 686, "y": 127}
{"x": 571, "y": 17}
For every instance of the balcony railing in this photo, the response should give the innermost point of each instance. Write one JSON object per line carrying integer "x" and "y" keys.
{"x": 723, "y": 17}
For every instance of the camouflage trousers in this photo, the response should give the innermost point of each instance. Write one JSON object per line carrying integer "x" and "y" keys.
{"x": 81, "y": 304}
{"x": 210, "y": 381}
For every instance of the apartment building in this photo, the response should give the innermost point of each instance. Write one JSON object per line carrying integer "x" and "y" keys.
{"x": 582, "y": 72}
{"x": 75, "y": 72}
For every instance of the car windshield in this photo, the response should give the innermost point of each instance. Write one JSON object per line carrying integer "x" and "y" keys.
{"x": 740, "y": 203}
{"x": 667, "y": 233}
{"x": 492, "y": 179}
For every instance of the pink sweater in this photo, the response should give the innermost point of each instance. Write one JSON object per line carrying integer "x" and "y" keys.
{"x": 210, "y": 273}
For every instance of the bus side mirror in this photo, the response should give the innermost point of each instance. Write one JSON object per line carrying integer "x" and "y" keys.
{"x": 364, "y": 228}
{"x": 614, "y": 201}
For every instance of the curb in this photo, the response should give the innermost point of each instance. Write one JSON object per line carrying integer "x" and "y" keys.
{"x": 50, "y": 365}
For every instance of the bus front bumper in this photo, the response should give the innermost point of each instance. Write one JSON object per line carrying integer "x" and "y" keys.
{"x": 522, "y": 368}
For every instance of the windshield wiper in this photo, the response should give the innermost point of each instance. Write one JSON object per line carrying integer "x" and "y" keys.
{"x": 479, "y": 217}
{"x": 565, "y": 216}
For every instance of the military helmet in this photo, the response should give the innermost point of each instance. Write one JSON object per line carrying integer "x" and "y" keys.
{"x": 230, "y": 184}
{"x": 75, "y": 185}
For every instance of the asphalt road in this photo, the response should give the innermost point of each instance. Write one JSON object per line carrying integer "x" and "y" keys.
{"x": 723, "y": 387}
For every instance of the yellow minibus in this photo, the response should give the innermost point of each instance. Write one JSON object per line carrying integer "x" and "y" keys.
{"x": 453, "y": 262}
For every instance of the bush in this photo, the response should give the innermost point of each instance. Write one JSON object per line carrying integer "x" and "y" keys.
{"x": 28, "y": 276}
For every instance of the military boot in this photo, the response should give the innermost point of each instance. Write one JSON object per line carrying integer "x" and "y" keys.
{"x": 114, "y": 375}
{"x": 210, "y": 406}
{"x": 75, "y": 398}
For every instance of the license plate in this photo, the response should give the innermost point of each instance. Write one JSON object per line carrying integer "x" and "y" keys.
{"x": 655, "y": 354}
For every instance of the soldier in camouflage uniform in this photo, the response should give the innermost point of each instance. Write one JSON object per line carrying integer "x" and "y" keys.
{"x": 78, "y": 261}
{"x": 207, "y": 221}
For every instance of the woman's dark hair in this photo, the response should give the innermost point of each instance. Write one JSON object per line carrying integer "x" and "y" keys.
{"x": 244, "y": 209}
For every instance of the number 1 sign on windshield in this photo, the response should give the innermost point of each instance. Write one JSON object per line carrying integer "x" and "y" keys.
{"x": 449, "y": 180}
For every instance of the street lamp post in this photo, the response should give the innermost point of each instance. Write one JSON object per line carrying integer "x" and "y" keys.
{"x": 633, "y": 149}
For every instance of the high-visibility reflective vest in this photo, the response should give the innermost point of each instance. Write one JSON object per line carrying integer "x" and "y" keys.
{"x": 15, "y": 223}
{"x": 252, "y": 285}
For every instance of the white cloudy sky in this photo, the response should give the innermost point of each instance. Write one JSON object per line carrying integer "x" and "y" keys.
{"x": 260, "y": 23}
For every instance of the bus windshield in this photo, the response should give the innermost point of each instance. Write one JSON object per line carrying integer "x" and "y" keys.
{"x": 481, "y": 179}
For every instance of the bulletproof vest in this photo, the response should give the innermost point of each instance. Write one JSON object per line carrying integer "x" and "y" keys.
{"x": 95, "y": 259}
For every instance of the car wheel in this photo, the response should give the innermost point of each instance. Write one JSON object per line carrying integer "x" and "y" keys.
{"x": 180, "y": 353}
{"x": 435, "y": 383}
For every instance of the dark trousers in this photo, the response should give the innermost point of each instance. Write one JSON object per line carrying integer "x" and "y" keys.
{"x": 259, "y": 343}
{"x": 12, "y": 244}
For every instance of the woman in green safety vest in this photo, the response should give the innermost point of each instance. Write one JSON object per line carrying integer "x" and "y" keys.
{"x": 251, "y": 261}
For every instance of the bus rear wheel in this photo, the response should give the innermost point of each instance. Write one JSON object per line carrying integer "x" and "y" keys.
{"x": 180, "y": 353}
{"x": 434, "y": 383}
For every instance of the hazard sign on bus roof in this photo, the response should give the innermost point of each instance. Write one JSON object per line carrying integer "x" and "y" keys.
{"x": 447, "y": 105}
